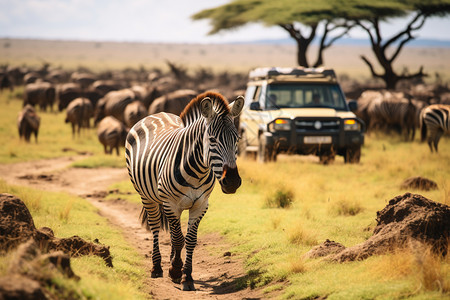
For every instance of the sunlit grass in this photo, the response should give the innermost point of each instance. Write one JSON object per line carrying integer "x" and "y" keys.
{"x": 68, "y": 216}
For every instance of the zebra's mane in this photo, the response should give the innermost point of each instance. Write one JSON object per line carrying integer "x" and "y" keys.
{"x": 192, "y": 110}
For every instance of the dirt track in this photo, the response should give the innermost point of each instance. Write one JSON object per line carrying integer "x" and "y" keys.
{"x": 215, "y": 275}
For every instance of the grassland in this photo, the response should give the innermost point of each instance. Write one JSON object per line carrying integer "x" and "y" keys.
{"x": 337, "y": 202}
{"x": 345, "y": 59}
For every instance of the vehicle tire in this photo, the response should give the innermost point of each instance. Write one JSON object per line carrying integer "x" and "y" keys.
{"x": 352, "y": 155}
{"x": 265, "y": 152}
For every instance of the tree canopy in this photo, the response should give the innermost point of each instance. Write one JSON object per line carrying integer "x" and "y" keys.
{"x": 304, "y": 19}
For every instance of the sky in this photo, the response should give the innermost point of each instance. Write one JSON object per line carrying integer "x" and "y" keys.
{"x": 160, "y": 21}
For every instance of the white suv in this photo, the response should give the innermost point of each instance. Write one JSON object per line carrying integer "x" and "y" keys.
{"x": 299, "y": 111}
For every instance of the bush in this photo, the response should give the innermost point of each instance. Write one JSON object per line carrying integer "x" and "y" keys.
{"x": 281, "y": 198}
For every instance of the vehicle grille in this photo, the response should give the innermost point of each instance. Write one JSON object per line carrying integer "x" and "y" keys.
{"x": 317, "y": 125}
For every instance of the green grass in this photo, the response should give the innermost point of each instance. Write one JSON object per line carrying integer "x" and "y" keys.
{"x": 54, "y": 139}
{"x": 68, "y": 216}
{"x": 337, "y": 202}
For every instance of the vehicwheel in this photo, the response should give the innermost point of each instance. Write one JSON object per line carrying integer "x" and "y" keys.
{"x": 353, "y": 155}
{"x": 265, "y": 152}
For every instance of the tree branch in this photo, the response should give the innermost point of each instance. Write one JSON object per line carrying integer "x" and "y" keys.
{"x": 408, "y": 29}
{"x": 400, "y": 46}
{"x": 420, "y": 73}
{"x": 372, "y": 70}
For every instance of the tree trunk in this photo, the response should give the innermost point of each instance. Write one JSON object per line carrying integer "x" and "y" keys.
{"x": 302, "y": 48}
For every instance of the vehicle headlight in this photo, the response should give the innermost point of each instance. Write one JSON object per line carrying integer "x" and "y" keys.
{"x": 352, "y": 124}
{"x": 282, "y": 124}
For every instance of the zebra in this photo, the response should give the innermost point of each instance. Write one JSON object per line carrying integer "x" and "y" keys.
{"x": 173, "y": 162}
{"x": 434, "y": 122}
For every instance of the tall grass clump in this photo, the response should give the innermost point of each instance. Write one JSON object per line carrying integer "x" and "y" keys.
{"x": 280, "y": 198}
{"x": 298, "y": 235}
{"x": 345, "y": 207}
{"x": 428, "y": 270}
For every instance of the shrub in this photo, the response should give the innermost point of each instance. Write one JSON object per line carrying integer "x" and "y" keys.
{"x": 281, "y": 198}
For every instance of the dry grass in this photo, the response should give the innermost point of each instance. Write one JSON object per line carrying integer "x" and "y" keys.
{"x": 298, "y": 235}
{"x": 430, "y": 271}
{"x": 31, "y": 199}
{"x": 346, "y": 207}
{"x": 280, "y": 198}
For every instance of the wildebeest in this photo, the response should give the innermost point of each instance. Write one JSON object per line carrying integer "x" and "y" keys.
{"x": 434, "y": 122}
{"x": 31, "y": 77}
{"x": 66, "y": 93}
{"x": 6, "y": 82}
{"x": 173, "y": 103}
{"x": 112, "y": 134}
{"x": 28, "y": 123}
{"x": 113, "y": 104}
{"x": 387, "y": 110}
{"x": 40, "y": 93}
{"x": 79, "y": 113}
{"x": 134, "y": 112}
{"x": 83, "y": 79}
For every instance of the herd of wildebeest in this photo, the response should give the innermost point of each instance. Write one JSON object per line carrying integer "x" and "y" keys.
{"x": 116, "y": 100}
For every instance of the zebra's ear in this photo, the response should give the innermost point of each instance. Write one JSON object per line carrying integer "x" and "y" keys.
{"x": 206, "y": 108}
{"x": 236, "y": 106}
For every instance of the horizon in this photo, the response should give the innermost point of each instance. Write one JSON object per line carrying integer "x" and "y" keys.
{"x": 151, "y": 22}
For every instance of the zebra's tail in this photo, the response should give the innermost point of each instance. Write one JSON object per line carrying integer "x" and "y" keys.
{"x": 423, "y": 130}
{"x": 144, "y": 219}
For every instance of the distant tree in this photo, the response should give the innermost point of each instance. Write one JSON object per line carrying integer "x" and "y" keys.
{"x": 369, "y": 16}
{"x": 303, "y": 20}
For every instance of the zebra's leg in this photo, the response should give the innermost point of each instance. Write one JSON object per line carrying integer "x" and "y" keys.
{"x": 437, "y": 138}
{"x": 195, "y": 216}
{"x": 153, "y": 223}
{"x": 177, "y": 243}
{"x": 430, "y": 139}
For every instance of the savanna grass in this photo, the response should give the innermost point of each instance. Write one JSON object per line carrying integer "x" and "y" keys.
{"x": 68, "y": 216}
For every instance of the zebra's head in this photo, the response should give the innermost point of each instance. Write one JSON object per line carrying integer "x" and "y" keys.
{"x": 220, "y": 142}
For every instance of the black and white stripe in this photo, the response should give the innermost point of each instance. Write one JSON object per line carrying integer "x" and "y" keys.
{"x": 434, "y": 122}
{"x": 173, "y": 163}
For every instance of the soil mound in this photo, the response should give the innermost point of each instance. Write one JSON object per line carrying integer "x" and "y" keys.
{"x": 406, "y": 217}
{"x": 419, "y": 183}
{"x": 326, "y": 248}
{"x": 30, "y": 274}
{"x": 17, "y": 226}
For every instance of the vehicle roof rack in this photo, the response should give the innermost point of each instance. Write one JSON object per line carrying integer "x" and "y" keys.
{"x": 270, "y": 72}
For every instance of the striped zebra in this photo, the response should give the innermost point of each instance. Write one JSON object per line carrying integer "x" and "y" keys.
{"x": 434, "y": 122}
{"x": 173, "y": 163}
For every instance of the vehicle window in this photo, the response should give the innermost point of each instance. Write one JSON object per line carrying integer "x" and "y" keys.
{"x": 295, "y": 95}
{"x": 250, "y": 94}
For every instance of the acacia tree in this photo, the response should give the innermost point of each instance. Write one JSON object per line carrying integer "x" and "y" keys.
{"x": 369, "y": 16}
{"x": 302, "y": 20}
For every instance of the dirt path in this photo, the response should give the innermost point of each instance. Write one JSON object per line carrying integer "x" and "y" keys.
{"x": 215, "y": 274}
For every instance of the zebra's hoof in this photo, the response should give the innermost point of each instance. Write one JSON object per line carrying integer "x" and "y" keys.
{"x": 157, "y": 272}
{"x": 175, "y": 274}
{"x": 188, "y": 286}
{"x": 188, "y": 283}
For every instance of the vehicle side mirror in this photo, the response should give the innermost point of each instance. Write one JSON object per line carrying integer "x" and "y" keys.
{"x": 255, "y": 106}
{"x": 353, "y": 105}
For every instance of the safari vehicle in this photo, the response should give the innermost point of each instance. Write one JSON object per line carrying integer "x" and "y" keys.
{"x": 298, "y": 111}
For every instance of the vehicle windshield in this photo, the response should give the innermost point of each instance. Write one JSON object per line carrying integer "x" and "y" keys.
{"x": 295, "y": 95}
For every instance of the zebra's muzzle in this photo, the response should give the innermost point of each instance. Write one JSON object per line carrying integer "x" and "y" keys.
{"x": 230, "y": 180}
